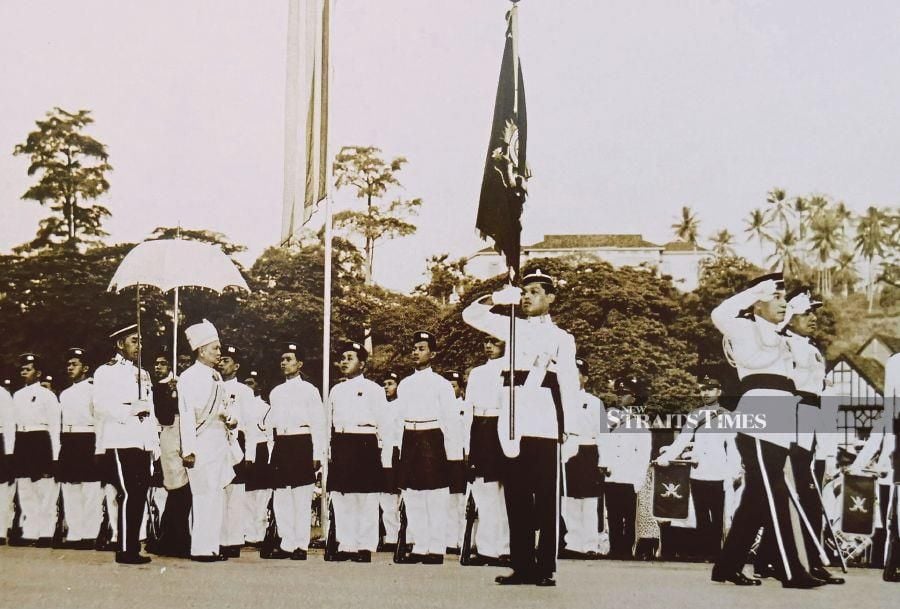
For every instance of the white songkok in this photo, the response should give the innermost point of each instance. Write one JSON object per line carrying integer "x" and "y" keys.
{"x": 201, "y": 334}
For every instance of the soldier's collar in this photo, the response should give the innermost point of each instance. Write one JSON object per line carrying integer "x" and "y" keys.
{"x": 541, "y": 319}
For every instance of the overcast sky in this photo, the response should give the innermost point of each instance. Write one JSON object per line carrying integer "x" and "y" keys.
{"x": 635, "y": 108}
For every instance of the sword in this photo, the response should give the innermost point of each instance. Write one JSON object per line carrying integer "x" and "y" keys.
{"x": 809, "y": 529}
{"x": 831, "y": 533}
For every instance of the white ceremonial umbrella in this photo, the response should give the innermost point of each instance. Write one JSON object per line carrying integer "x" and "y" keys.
{"x": 169, "y": 264}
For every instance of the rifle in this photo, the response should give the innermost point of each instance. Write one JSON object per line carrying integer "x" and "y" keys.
{"x": 331, "y": 544}
{"x": 271, "y": 542}
{"x": 465, "y": 553}
{"x": 152, "y": 519}
{"x": 400, "y": 550}
{"x": 61, "y": 530}
{"x": 829, "y": 529}
{"x": 104, "y": 535}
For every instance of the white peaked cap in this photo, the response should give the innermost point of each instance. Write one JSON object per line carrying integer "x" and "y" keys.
{"x": 201, "y": 334}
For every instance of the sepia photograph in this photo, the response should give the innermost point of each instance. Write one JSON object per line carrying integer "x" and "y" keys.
{"x": 408, "y": 303}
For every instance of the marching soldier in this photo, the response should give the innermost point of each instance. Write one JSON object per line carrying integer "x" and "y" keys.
{"x": 715, "y": 462}
{"x": 35, "y": 453}
{"x": 456, "y": 515}
{"x": 205, "y": 417}
{"x": 242, "y": 403}
{"x": 78, "y": 473}
{"x": 174, "y": 527}
{"x": 749, "y": 323}
{"x": 547, "y": 383}
{"x": 581, "y": 455}
{"x": 359, "y": 417}
{"x": 259, "y": 442}
{"x": 298, "y": 422}
{"x": 486, "y": 459}
{"x": 428, "y": 413}
{"x": 389, "y": 498}
{"x": 624, "y": 456}
{"x": 124, "y": 406}
{"x": 7, "y": 475}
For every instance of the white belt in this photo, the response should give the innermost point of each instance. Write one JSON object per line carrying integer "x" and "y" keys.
{"x": 487, "y": 413}
{"x": 421, "y": 425}
{"x": 360, "y": 429}
{"x": 28, "y": 428}
{"x": 78, "y": 429}
{"x": 301, "y": 430}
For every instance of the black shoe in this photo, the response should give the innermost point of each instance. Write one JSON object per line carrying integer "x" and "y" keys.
{"x": 513, "y": 579}
{"x": 823, "y": 574}
{"x": 573, "y": 555}
{"x": 362, "y": 556}
{"x": 803, "y": 582}
{"x": 276, "y": 554}
{"x": 544, "y": 582}
{"x": 341, "y": 556}
{"x": 738, "y": 579}
{"x": 433, "y": 559}
{"x": 43, "y": 542}
{"x": 209, "y": 558}
{"x": 414, "y": 559}
{"x": 230, "y": 551}
{"x": 480, "y": 560}
{"x": 2, "y": 541}
{"x": 21, "y": 542}
{"x": 109, "y": 546}
{"x": 82, "y": 544}
{"x": 891, "y": 576}
{"x": 387, "y": 547}
{"x": 298, "y": 554}
{"x": 128, "y": 558}
{"x": 765, "y": 571}
{"x": 452, "y": 550}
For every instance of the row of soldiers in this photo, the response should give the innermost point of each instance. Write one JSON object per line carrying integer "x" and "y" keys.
{"x": 232, "y": 465}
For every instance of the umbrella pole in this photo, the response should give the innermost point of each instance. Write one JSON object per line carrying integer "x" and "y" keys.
{"x": 140, "y": 346}
{"x": 175, "y": 334}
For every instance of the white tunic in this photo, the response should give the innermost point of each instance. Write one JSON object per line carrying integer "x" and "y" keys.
{"x": 36, "y": 408}
{"x": 77, "y": 405}
{"x": 7, "y": 421}
{"x": 712, "y": 450}
{"x": 359, "y": 405}
{"x": 115, "y": 393}
{"x": 626, "y": 453}
{"x": 425, "y": 397}
{"x": 297, "y": 407}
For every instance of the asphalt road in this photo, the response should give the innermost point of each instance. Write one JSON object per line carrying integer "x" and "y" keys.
{"x": 31, "y": 578}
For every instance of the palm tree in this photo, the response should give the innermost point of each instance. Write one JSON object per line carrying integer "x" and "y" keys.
{"x": 785, "y": 254}
{"x": 871, "y": 237}
{"x": 845, "y": 272}
{"x": 825, "y": 242}
{"x": 780, "y": 209}
{"x": 756, "y": 225}
{"x": 688, "y": 227}
{"x": 723, "y": 243}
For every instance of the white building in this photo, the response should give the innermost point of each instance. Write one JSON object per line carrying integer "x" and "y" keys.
{"x": 678, "y": 259}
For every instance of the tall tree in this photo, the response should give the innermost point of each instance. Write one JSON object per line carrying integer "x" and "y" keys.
{"x": 786, "y": 253}
{"x": 757, "y": 225}
{"x": 687, "y": 228}
{"x": 363, "y": 169}
{"x": 871, "y": 237}
{"x": 72, "y": 168}
{"x": 779, "y": 210}
{"x": 825, "y": 241}
{"x": 446, "y": 277}
{"x": 723, "y": 243}
{"x": 845, "y": 274}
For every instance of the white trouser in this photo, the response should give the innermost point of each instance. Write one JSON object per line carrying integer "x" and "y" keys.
{"x": 491, "y": 535}
{"x": 426, "y": 519}
{"x": 256, "y": 519}
{"x": 7, "y": 492}
{"x": 206, "y": 521}
{"x": 83, "y": 507}
{"x": 234, "y": 515}
{"x": 112, "y": 510}
{"x": 356, "y": 517}
{"x": 580, "y": 516}
{"x": 37, "y": 499}
{"x": 293, "y": 514}
{"x": 456, "y": 519}
{"x": 390, "y": 516}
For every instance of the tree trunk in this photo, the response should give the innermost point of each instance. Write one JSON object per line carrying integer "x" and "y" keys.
{"x": 870, "y": 286}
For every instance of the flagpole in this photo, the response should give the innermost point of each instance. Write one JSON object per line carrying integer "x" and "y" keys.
{"x": 514, "y": 28}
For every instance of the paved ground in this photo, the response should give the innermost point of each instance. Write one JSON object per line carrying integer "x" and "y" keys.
{"x": 64, "y": 578}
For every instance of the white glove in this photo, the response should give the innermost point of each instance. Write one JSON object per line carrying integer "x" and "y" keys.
{"x": 800, "y": 303}
{"x": 663, "y": 461}
{"x": 141, "y": 406}
{"x": 510, "y": 295}
{"x": 766, "y": 291}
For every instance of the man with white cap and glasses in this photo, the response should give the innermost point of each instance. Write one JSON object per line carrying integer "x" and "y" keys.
{"x": 205, "y": 419}
{"x": 123, "y": 404}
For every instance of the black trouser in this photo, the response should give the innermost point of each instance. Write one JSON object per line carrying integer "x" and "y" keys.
{"x": 174, "y": 528}
{"x": 621, "y": 510}
{"x": 132, "y": 480}
{"x": 810, "y": 502}
{"x": 600, "y": 498}
{"x": 709, "y": 507}
{"x": 764, "y": 503}
{"x": 532, "y": 504}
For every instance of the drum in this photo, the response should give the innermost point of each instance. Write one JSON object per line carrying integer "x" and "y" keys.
{"x": 858, "y": 505}
{"x": 671, "y": 491}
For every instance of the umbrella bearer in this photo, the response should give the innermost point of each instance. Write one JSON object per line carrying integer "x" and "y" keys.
{"x": 360, "y": 417}
{"x": 78, "y": 472}
{"x": 35, "y": 451}
{"x": 123, "y": 404}
{"x": 429, "y": 414}
{"x": 581, "y": 455}
{"x": 242, "y": 403}
{"x": 206, "y": 416}
{"x": 298, "y": 422}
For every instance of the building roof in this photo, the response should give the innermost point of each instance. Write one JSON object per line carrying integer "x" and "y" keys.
{"x": 553, "y": 242}
{"x": 868, "y": 368}
{"x": 891, "y": 342}
{"x": 683, "y": 246}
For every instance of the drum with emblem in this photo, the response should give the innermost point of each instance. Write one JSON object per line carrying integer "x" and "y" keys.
{"x": 858, "y": 505}
{"x": 671, "y": 491}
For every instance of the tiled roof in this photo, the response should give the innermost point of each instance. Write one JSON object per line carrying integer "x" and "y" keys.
{"x": 868, "y": 368}
{"x": 683, "y": 246}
